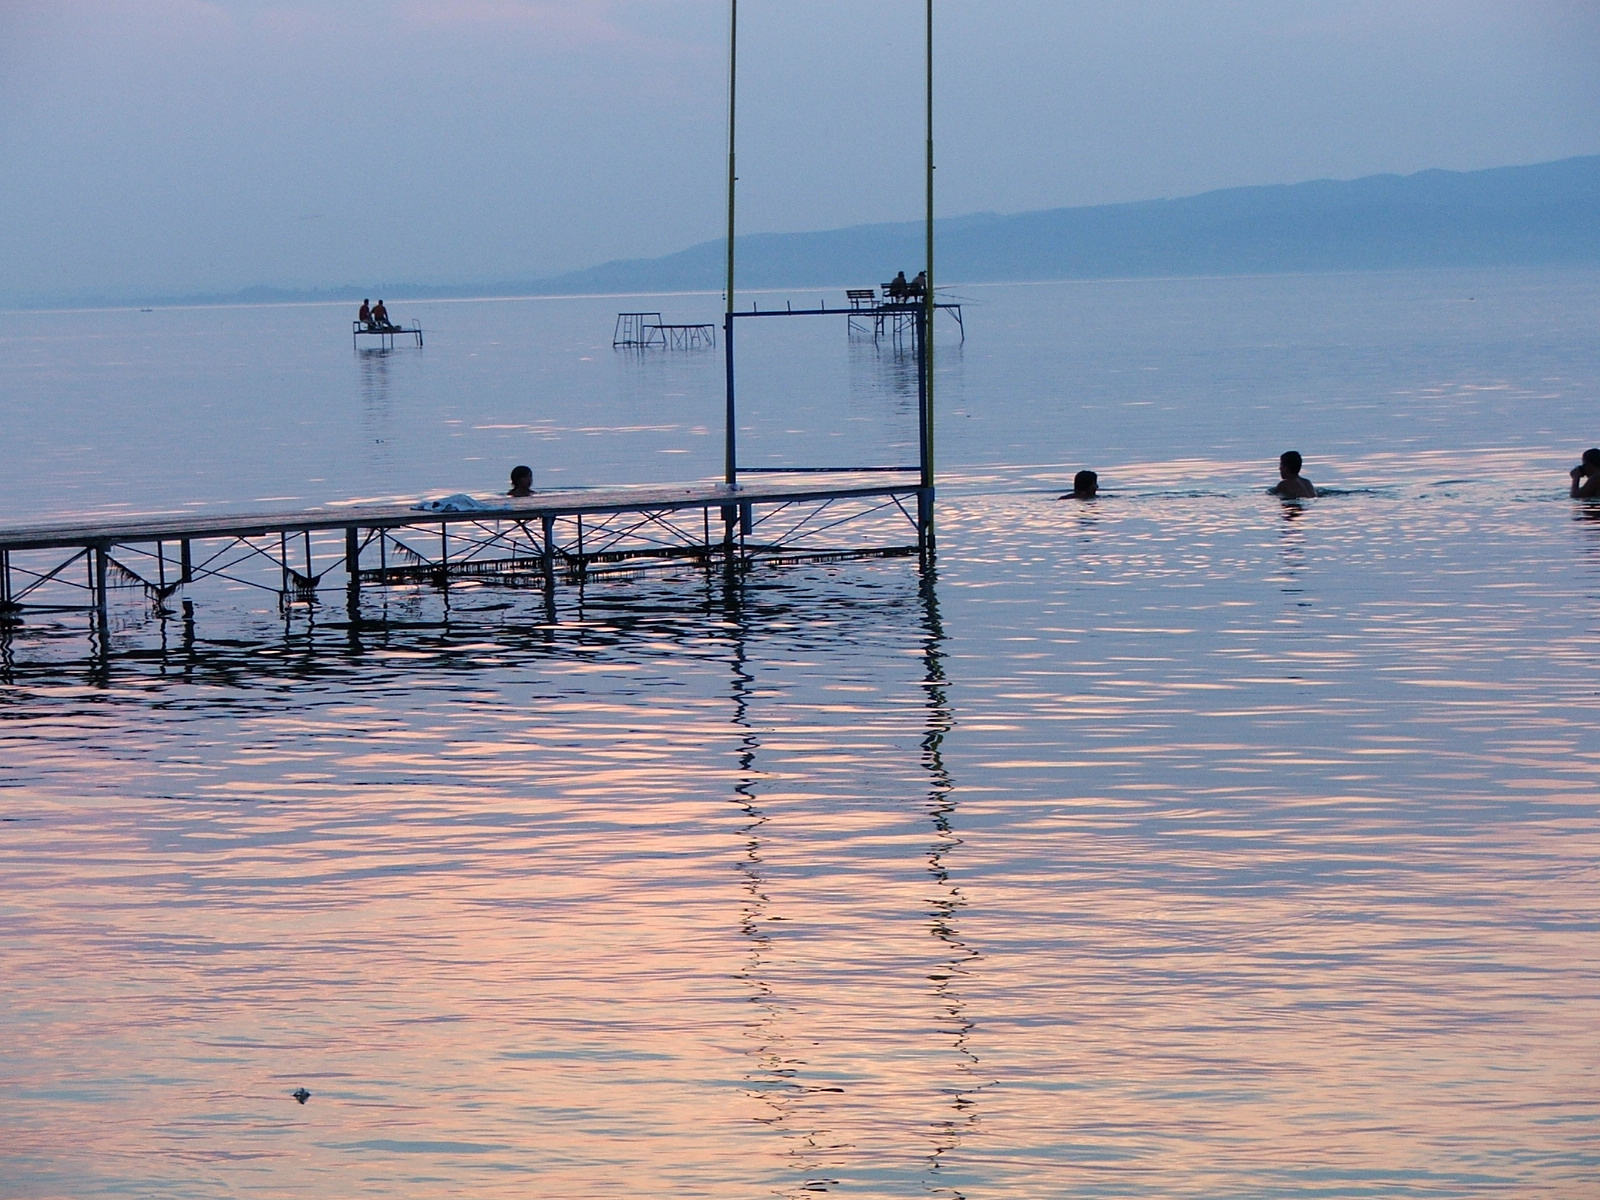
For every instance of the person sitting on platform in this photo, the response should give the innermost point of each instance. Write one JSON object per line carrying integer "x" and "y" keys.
{"x": 1586, "y": 476}
{"x": 1085, "y": 484}
{"x": 521, "y": 481}
{"x": 898, "y": 287}
{"x": 380, "y": 316}
{"x": 1292, "y": 485}
{"x": 365, "y": 315}
{"x": 918, "y": 288}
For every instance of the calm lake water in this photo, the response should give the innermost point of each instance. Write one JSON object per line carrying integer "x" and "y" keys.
{"x": 1184, "y": 843}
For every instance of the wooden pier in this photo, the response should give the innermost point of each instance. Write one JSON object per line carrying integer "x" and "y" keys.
{"x": 539, "y": 541}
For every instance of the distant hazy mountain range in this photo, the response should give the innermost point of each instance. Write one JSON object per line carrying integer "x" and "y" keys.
{"x": 1522, "y": 216}
{"x": 1506, "y": 216}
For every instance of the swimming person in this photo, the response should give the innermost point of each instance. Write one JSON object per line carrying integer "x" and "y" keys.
{"x": 365, "y": 315}
{"x": 1292, "y": 485}
{"x": 1586, "y": 476}
{"x": 521, "y": 481}
{"x": 1084, "y": 486}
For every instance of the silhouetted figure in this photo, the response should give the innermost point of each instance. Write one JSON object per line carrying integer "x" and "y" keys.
{"x": 521, "y": 481}
{"x": 365, "y": 315}
{"x": 898, "y": 288}
{"x": 1586, "y": 476}
{"x": 380, "y": 316}
{"x": 1292, "y": 485}
{"x": 919, "y": 286}
{"x": 1085, "y": 485}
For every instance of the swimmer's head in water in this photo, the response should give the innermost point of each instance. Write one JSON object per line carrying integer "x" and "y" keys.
{"x": 1289, "y": 463}
{"x": 1085, "y": 483}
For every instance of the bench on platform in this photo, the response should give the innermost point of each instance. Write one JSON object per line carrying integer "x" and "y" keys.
{"x": 911, "y": 295}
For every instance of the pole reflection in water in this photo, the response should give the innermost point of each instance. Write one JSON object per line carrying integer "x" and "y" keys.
{"x": 946, "y": 900}
{"x": 773, "y": 1078}
{"x": 886, "y": 369}
{"x": 790, "y": 1076}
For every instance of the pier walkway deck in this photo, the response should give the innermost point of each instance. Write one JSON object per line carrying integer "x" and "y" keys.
{"x": 533, "y": 541}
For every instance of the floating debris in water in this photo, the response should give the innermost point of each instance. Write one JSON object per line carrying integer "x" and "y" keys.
{"x": 301, "y": 1095}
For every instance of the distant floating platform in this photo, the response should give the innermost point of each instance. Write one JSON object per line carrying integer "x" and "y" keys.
{"x": 385, "y": 334}
{"x": 641, "y": 329}
{"x": 891, "y": 315}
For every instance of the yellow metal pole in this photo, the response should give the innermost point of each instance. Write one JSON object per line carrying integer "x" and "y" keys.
{"x": 927, "y": 300}
{"x": 733, "y": 74}
{"x": 730, "y": 449}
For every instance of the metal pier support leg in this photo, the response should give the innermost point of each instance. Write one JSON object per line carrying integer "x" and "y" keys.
{"x": 185, "y": 563}
{"x": 924, "y": 520}
{"x": 547, "y": 563}
{"x": 730, "y": 518}
{"x": 101, "y": 582}
{"x": 5, "y": 581}
{"x": 547, "y": 527}
{"x": 352, "y": 566}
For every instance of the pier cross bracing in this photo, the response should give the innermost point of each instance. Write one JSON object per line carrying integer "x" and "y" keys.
{"x": 645, "y": 329}
{"x": 869, "y": 316}
{"x": 541, "y": 541}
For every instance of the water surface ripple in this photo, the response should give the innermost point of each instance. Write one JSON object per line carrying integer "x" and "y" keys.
{"x": 1184, "y": 843}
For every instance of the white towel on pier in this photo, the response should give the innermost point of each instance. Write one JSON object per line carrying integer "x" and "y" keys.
{"x": 460, "y": 502}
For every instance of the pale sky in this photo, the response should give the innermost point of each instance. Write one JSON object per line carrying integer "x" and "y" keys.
{"x": 167, "y": 146}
